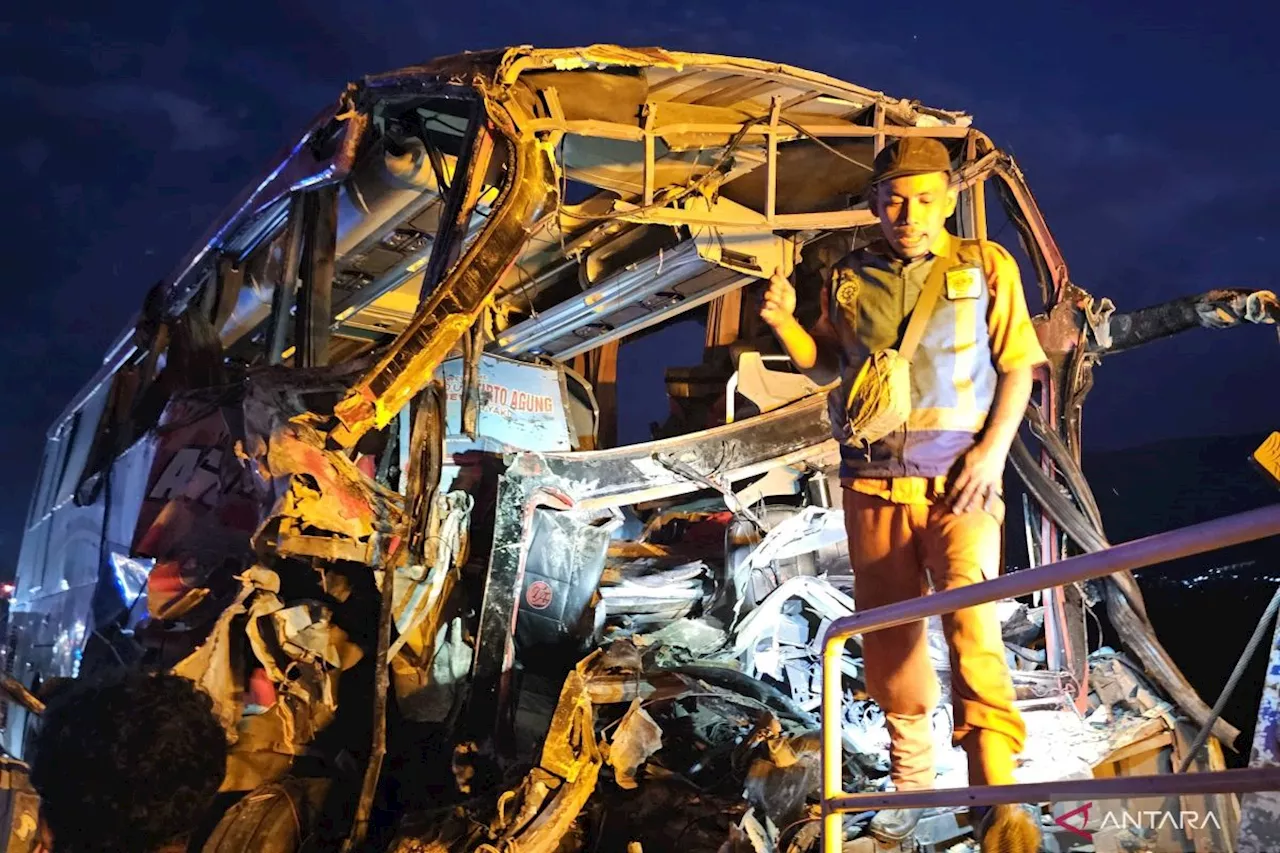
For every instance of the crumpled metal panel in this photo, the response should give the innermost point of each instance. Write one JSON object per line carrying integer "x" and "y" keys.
{"x": 638, "y": 736}
{"x": 430, "y": 659}
{"x": 322, "y": 495}
{"x": 200, "y": 506}
{"x": 317, "y": 502}
{"x": 535, "y": 816}
{"x": 270, "y": 714}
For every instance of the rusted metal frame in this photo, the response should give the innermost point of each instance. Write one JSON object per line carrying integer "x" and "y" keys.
{"x": 473, "y": 349}
{"x": 1060, "y": 639}
{"x": 1141, "y": 553}
{"x": 1033, "y": 225}
{"x": 771, "y": 163}
{"x": 409, "y": 361}
{"x": 977, "y": 192}
{"x": 459, "y": 204}
{"x": 1144, "y": 325}
{"x": 636, "y": 133}
{"x": 1061, "y": 651}
{"x": 649, "y": 139}
{"x": 1066, "y": 649}
{"x": 282, "y": 299}
{"x": 315, "y": 299}
{"x": 519, "y": 60}
{"x": 425, "y": 458}
{"x": 856, "y": 217}
{"x": 1069, "y": 605}
{"x": 824, "y": 221}
{"x": 878, "y": 126}
{"x": 600, "y": 367}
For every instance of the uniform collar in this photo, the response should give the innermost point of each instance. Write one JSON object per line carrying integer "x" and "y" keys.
{"x": 942, "y": 246}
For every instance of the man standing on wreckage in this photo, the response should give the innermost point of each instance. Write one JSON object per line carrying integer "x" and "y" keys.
{"x": 933, "y": 345}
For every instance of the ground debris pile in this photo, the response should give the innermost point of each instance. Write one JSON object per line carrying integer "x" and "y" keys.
{"x": 702, "y": 732}
{"x": 669, "y": 758}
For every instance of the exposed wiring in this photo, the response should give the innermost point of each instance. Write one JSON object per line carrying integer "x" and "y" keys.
{"x": 686, "y": 471}
{"x": 1097, "y": 623}
{"x": 789, "y": 123}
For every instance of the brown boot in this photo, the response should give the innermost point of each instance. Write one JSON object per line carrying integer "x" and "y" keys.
{"x": 1010, "y": 829}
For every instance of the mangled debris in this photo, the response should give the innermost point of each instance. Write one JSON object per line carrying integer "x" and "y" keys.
{"x": 738, "y": 761}
{"x": 368, "y": 436}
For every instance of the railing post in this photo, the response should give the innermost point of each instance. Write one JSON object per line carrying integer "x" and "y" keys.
{"x": 832, "y": 745}
{"x": 1153, "y": 550}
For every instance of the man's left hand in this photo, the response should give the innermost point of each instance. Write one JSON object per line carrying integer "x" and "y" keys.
{"x": 981, "y": 476}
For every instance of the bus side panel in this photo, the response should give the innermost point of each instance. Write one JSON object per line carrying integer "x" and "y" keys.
{"x": 59, "y": 574}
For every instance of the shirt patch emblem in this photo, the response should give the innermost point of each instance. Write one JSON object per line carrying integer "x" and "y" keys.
{"x": 965, "y": 283}
{"x": 847, "y": 286}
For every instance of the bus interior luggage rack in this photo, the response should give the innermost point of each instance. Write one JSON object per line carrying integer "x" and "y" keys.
{"x": 1141, "y": 553}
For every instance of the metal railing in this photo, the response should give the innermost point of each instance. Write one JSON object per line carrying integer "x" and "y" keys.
{"x": 1184, "y": 542}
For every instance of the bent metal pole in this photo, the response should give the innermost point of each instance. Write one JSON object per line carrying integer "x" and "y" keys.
{"x": 1140, "y": 553}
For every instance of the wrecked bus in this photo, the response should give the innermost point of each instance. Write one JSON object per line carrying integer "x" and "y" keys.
{"x": 355, "y": 469}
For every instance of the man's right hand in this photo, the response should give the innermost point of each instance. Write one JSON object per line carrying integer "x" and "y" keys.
{"x": 779, "y": 307}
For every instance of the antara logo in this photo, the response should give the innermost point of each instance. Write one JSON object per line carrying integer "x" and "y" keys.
{"x": 1065, "y": 821}
{"x": 1077, "y": 819}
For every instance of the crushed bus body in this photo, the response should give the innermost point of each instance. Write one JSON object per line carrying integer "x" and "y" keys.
{"x": 356, "y": 471}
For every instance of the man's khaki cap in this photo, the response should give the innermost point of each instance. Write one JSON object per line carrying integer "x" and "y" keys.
{"x": 910, "y": 155}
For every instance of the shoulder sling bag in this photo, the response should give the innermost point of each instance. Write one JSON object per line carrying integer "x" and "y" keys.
{"x": 879, "y": 400}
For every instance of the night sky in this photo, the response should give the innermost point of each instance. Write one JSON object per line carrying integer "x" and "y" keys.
{"x": 1146, "y": 130}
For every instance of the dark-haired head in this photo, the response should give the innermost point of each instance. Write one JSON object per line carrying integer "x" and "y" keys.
{"x": 129, "y": 764}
